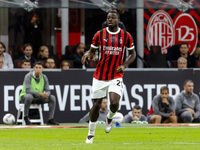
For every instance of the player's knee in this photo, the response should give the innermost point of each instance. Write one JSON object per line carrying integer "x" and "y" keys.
{"x": 28, "y": 97}
{"x": 173, "y": 119}
{"x": 186, "y": 117}
{"x": 158, "y": 117}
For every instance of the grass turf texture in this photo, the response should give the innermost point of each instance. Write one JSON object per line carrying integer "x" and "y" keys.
{"x": 129, "y": 136}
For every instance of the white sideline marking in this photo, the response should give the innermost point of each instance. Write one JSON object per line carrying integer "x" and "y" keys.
{"x": 184, "y": 143}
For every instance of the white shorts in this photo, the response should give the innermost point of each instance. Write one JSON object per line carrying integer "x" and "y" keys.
{"x": 100, "y": 88}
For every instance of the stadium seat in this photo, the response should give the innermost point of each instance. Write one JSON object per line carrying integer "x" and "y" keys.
{"x": 91, "y": 64}
{"x": 21, "y": 113}
{"x": 69, "y": 51}
{"x": 156, "y": 59}
{"x": 17, "y": 63}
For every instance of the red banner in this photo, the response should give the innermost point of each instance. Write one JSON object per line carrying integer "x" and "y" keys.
{"x": 166, "y": 27}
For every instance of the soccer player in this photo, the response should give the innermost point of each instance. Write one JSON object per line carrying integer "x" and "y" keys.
{"x": 111, "y": 42}
{"x": 187, "y": 104}
{"x": 163, "y": 108}
{"x": 134, "y": 115}
{"x": 36, "y": 91}
{"x": 103, "y": 111}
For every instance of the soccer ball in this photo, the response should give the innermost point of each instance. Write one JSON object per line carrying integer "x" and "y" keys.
{"x": 9, "y": 119}
{"x": 118, "y": 118}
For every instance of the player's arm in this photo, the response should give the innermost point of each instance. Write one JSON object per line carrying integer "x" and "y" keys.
{"x": 131, "y": 50}
{"x": 130, "y": 59}
{"x": 91, "y": 52}
{"x": 88, "y": 55}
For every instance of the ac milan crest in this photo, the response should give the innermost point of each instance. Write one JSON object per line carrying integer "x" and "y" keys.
{"x": 160, "y": 31}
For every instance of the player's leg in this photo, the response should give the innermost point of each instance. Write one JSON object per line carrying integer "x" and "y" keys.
{"x": 94, "y": 114}
{"x": 173, "y": 119}
{"x": 186, "y": 116}
{"x": 115, "y": 92}
{"x": 156, "y": 119}
{"x": 27, "y": 100}
{"x": 52, "y": 106}
{"x": 196, "y": 120}
{"x": 166, "y": 120}
{"x": 114, "y": 105}
{"x": 99, "y": 89}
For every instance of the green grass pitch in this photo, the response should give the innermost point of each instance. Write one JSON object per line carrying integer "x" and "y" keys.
{"x": 129, "y": 136}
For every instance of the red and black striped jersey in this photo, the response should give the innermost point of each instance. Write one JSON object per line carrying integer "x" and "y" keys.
{"x": 111, "y": 49}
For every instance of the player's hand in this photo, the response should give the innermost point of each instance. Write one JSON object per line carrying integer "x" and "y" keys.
{"x": 172, "y": 113}
{"x": 34, "y": 19}
{"x": 120, "y": 69}
{"x": 164, "y": 100}
{"x": 135, "y": 118}
{"x": 44, "y": 95}
{"x": 191, "y": 110}
{"x": 85, "y": 57}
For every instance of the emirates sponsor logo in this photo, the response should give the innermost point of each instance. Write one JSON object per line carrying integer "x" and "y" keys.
{"x": 112, "y": 50}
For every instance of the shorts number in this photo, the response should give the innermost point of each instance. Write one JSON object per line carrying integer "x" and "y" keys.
{"x": 119, "y": 83}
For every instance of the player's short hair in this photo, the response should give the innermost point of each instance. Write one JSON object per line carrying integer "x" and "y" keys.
{"x": 181, "y": 58}
{"x": 51, "y": 57}
{"x": 65, "y": 61}
{"x": 26, "y": 45}
{"x": 37, "y": 63}
{"x": 25, "y": 60}
{"x": 184, "y": 43}
{"x": 164, "y": 88}
{"x": 114, "y": 11}
{"x": 137, "y": 107}
{"x": 186, "y": 81}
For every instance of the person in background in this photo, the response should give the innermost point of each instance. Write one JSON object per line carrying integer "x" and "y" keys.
{"x": 1, "y": 63}
{"x": 197, "y": 56}
{"x": 26, "y": 64}
{"x": 197, "y": 53}
{"x": 65, "y": 65}
{"x": 182, "y": 63}
{"x": 28, "y": 51}
{"x": 7, "y": 60}
{"x": 43, "y": 53}
{"x": 103, "y": 111}
{"x": 187, "y": 104}
{"x": 50, "y": 63}
{"x": 79, "y": 51}
{"x": 33, "y": 26}
{"x": 36, "y": 91}
{"x": 181, "y": 50}
{"x": 163, "y": 108}
{"x": 134, "y": 115}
